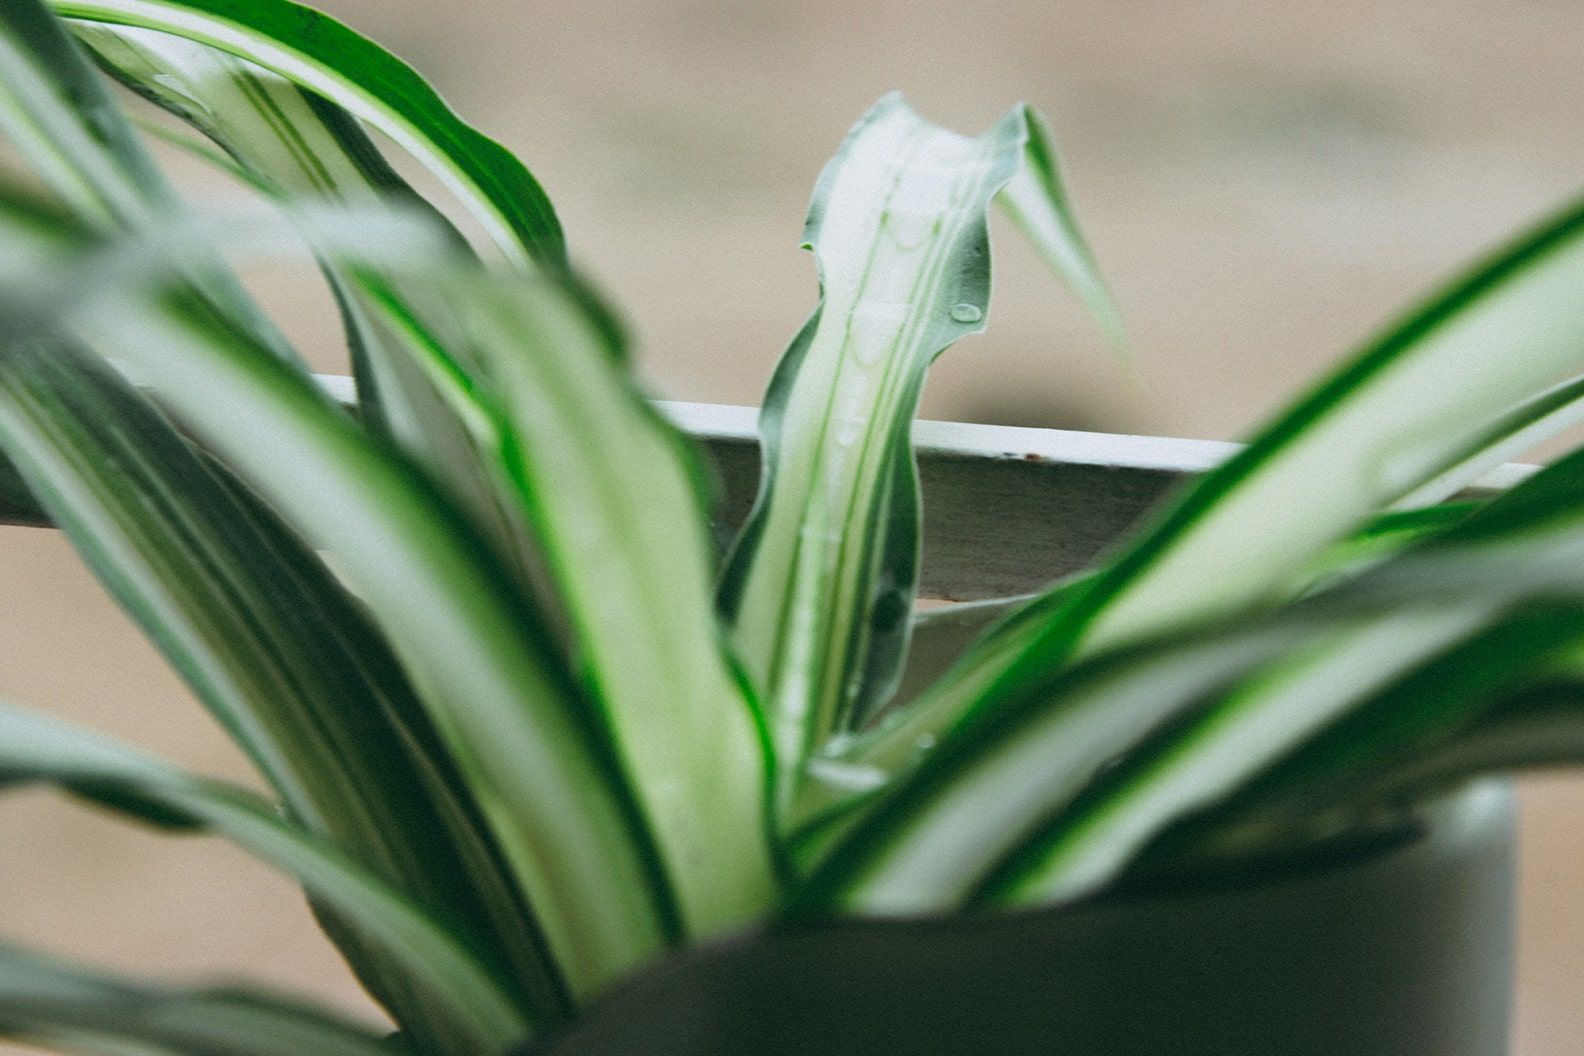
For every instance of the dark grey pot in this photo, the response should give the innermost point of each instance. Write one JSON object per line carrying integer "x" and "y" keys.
{"x": 1403, "y": 949}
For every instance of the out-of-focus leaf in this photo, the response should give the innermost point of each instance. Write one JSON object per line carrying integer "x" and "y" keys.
{"x": 612, "y": 496}
{"x": 528, "y": 745}
{"x": 47, "y": 1001}
{"x": 297, "y": 146}
{"x": 269, "y": 643}
{"x": 324, "y": 56}
{"x": 38, "y": 749}
{"x": 57, "y": 111}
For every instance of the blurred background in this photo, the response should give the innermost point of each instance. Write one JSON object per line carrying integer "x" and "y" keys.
{"x": 1264, "y": 184}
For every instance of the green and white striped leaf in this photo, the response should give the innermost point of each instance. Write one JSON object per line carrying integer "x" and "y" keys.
{"x": 323, "y": 56}
{"x": 1538, "y": 727}
{"x": 267, "y": 641}
{"x": 613, "y": 496}
{"x": 523, "y": 738}
{"x": 491, "y": 683}
{"x": 942, "y": 636}
{"x": 1408, "y": 410}
{"x": 971, "y": 640}
{"x": 1506, "y": 700}
{"x": 1035, "y": 200}
{"x": 821, "y": 583}
{"x": 295, "y": 145}
{"x": 47, "y": 1001}
{"x": 56, "y": 110}
{"x": 1512, "y": 435}
{"x": 34, "y": 748}
{"x": 59, "y": 114}
{"x": 1047, "y": 800}
{"x": 987, "y": 794}
{"x": 1403, "y": 412}
{"x": 1210, "y": 754}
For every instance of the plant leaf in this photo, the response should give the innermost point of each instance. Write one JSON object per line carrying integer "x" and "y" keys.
{"x": 985, "y": 636}
{"x": 518, "y": 729}
{"x": 34, "y": 748}
{"x": 1062, "y": 789}
{"x": 276, "y": 652}
{"x": 44, "y": 999}
{"x": 1208, "y": 755}
{"x": 1505, "y": 700}
{"x": 581, "y": 450}
{"x": 324, "y": 56}
{"x": 943, "y": 636}
{"x": 493, "y": 688}
{"x": 1402, "y": 413}
{"x": 1512, "y": 435}
{"x": 821, "y": 583}
{"x": 295, "y": 145}
{"x": 1035, "y": 200}
{"x": 57, "y": 111}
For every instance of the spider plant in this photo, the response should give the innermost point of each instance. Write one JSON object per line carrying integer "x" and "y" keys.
{"x": 524, "y": 727}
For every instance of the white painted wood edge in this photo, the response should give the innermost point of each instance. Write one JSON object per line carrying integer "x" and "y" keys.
{"x": 720, "y": 421}
{"x": 1020, "y": 443}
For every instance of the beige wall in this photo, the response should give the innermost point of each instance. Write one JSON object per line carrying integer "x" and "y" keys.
{"x": 1263, "y": 182}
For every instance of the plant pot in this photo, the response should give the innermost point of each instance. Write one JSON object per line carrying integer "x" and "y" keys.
{"x": 1401, "y": 947}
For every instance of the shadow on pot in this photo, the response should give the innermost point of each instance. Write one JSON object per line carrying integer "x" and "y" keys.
{"x": 1406, "y": 951}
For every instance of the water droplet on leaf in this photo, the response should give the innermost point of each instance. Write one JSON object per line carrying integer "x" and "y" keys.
{"x": 966, "y": 313}
{"x": 910, "y": 227}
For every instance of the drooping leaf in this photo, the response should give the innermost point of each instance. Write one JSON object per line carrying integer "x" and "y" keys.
{"x": 324, "y": 56}
{"x": 985, "y": 636}
{"x": 1035, "y": 200}
{"x": 1506, "y": 700}
{"x": 45, "y": 1000}
{"x": 1206, "y": 756}
{"x": 295, "y": 145}
{"x": 266, "y": 640}
{"x": 522, "y": 736}
{"x": 55, "y": 108}
{"x": 820, "y": 586}
{"x": 34, "y": 748}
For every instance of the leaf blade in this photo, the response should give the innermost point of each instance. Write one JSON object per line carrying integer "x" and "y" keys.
{"x": 500, "y": 699}
{"x": 325, "y": 56}
{"x": 1403, "y": 412}
{"x": 274, "y": 650}
{"x": 37, "y": 749}
{"x": 42, "y": 998}
{"x": 581, "y": 449}
{"x": 1099, "y": 759}
{"x": 1035, "y": 199}
{"x": 897, "y": 226}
